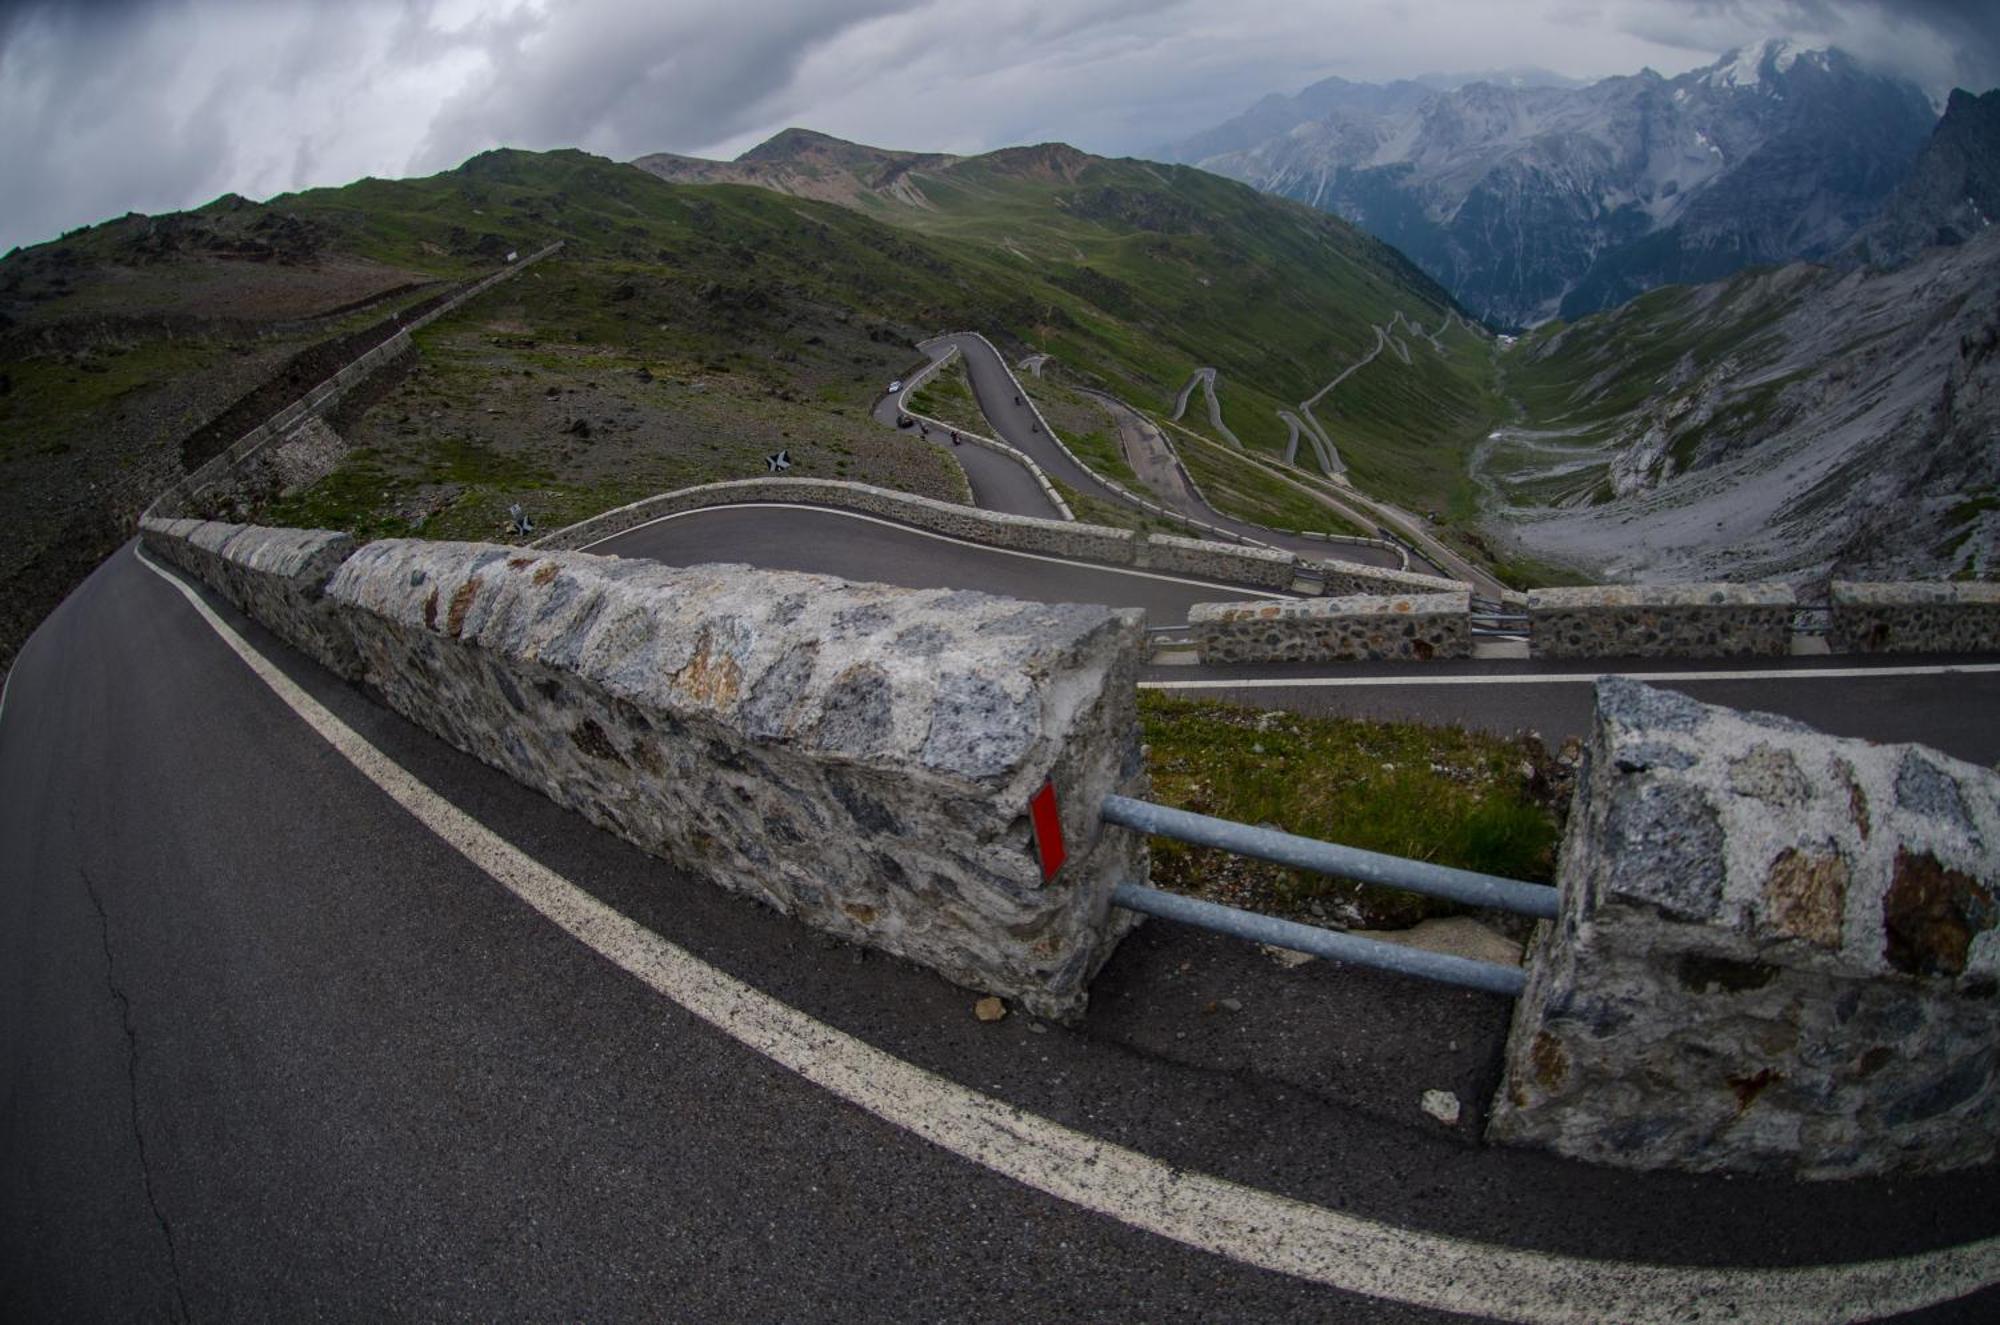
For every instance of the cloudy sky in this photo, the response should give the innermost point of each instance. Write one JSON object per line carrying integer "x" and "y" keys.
{"x": 155, "y": 105}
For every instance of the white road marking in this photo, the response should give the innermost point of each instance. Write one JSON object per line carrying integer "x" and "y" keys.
{"x": 1563, "y": 678}
{"x": 1197, "y": 1210}
{"x": 942, "y": 538}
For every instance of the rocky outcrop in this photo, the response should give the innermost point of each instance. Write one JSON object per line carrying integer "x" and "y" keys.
{"x": 1952, "y": 191}
{"x": 1778, "y": 952}
{"x": 1526, "y": 201}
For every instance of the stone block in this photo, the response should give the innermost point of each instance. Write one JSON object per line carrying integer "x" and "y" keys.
{"x": 1344, "y": 578}
{"x": 1259, "y": 567}
{"x": 1948, "y": 617}
{"x": 276, "y": 577}
{"x": 1357, "y": 627}
{"x": 1661, "y": 621}
{"x": 857, "y": 756}
{"x": 1778, "y": 951}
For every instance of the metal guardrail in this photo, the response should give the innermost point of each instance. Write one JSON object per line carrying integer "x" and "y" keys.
{"x": 1467, "y": 886}
{"x": 1466, "y": 972}
{"x": 1417, "y": 876}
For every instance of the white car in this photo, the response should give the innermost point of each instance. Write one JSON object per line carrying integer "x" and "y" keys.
{"x": 895, "y": 386}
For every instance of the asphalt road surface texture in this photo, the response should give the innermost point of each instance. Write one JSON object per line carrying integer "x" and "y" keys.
{"x": 272, "y": 1049}
{"x": 999, "y": 482}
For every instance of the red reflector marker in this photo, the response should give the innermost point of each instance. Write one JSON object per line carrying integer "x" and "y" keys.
{"x": 1048, "y": 830}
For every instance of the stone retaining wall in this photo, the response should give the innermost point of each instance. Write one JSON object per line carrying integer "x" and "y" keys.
{"x": 1358, "y": 627}
{"x": 276, "y": 576}
{"x": 1228, "y": 562}
{"x": 858, "y": 756}
{"x": 1347, "y": 577}
{"x": 1952, "y": 617}
{"x": 1776, "y": 953}
{"x": 1661, "y": 621}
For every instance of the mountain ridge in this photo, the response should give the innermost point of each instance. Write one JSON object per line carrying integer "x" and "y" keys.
{"x": 1529, "y": 202}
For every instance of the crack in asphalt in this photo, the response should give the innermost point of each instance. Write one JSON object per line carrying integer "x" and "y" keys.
{"x": 182, "y": 1313}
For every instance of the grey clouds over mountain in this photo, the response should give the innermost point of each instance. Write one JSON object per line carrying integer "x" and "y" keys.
{"x": 153, "y": 105}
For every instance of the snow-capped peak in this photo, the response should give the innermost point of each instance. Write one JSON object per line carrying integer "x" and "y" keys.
{"x": 1744, "y": 66}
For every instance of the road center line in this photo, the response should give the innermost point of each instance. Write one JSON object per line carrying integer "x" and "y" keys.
{"x": 942, "y": 538}
{"x": 1563, "y": 678}
{"x": 1198, "y": 1210}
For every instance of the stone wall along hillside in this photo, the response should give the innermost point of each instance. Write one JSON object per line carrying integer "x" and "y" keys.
{"x": 276, "y": 576}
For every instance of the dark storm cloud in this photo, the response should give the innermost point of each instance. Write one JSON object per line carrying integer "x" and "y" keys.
{"x": 621, "y": 77}
{"x": 153, "y": 105}
{"x": 1940, "y": 43}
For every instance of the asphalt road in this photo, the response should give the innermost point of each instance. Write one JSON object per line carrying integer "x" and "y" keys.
{"x": 857, "y": 547}
{"x": 994, "y": 388}
{"x": 1955, "y": 712}
{"x": 271, "y": 1050}
{"x": 998, "y": 482}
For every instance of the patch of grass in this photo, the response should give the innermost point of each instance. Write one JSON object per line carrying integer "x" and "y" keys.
{"x": 49, "y": 397}
{"x": 1092, "y": 509}
{"x": 1441, "y": 794}
{"x": 1369, "y": 417}
{"x": 948, "y": 398}
{"x": 1238, "y": 486}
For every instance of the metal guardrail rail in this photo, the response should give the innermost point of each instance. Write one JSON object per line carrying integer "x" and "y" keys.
{"x": 1417, "y": 876}
{"x": 1466, "y": 886}
{"x": 1465, "y": 972}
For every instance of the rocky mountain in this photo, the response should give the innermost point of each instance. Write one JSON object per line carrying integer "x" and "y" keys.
{"x": 1788, "y": 423}
{"x": 807, "y": 165}
{"x": 1952, "y": 192}
{"x": 1531, "y": 201}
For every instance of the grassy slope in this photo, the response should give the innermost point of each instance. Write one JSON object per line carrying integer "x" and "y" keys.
{"x": 1157, "y": 270}
{"x": 791, "y": 311}
{"x": 1592, "y": 375}
{"x": 1136, "y": 273}
{"x": 1445, "y": 795}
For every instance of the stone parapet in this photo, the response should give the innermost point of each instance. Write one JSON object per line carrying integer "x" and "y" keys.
{"x": 1948, "y": 617}
{"x": 1256, "y": 566}
{"x": 276, "y": 576}
{"x": 1776, "y": 953}
{"x": 1350, "y": 577}
{"x": 1661, "y": 621}
{"x": 857, "y": 756}
{"x": 1353, "y": 628}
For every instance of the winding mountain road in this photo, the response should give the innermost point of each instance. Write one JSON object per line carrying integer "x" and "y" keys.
{"x": 305, "y": 1014}
{"x": 1206, "y": 378}
{"x": 996, "y": 392}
